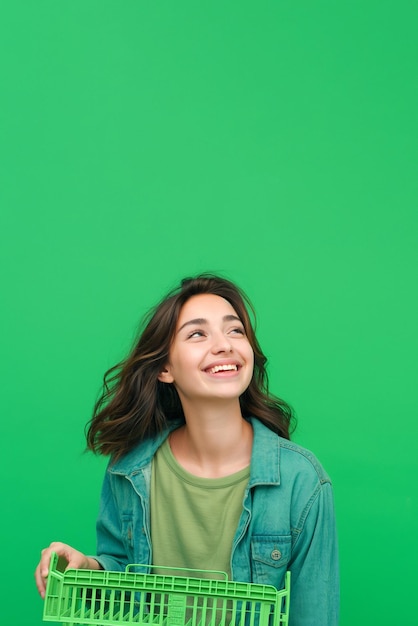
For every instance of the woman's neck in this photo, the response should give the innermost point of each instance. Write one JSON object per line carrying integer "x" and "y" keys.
{"x": 213, "y": 442}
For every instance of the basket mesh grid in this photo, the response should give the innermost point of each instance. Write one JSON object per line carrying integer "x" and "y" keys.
{"x": 82, "y": 597}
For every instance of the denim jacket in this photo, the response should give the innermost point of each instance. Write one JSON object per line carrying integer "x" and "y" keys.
{"x": 287, "y": 523}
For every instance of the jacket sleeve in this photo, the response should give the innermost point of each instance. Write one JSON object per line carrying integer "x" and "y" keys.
{"x": 314, "y": 598}
{"x": 111, "y": 551}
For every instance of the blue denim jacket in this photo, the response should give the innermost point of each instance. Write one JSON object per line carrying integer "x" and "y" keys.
{"x": 287, "y": 523}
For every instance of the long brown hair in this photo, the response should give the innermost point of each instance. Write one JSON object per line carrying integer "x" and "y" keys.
{"x": 135, "y": 405}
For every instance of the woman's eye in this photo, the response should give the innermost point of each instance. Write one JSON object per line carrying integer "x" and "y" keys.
{"x": 196, "y": 333}
{"x": 238, "y": 330}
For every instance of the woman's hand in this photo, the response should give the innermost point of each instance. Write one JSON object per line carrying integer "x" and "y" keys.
{"x": 74, "y": 558}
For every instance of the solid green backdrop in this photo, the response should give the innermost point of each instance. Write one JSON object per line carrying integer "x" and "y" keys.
{"x": 273, "y": 142}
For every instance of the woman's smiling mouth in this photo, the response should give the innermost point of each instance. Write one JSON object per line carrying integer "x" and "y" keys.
{"x": 225, "y": 367}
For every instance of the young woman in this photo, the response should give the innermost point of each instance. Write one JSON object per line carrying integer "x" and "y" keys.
{"x": 202, "y": 473}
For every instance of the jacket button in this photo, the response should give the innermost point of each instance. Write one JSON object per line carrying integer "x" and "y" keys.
{"x": 276, "y": 555}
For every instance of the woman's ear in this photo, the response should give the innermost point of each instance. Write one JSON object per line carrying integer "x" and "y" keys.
{"x": 165, "y": 376}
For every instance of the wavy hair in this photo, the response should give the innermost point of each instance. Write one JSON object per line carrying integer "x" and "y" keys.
{"x": 135, "y": 405}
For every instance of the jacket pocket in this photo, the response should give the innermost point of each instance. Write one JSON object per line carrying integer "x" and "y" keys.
{"x": 270, "y": 555}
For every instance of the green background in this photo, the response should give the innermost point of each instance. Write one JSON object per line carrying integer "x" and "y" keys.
{"x": 274, "y": 142}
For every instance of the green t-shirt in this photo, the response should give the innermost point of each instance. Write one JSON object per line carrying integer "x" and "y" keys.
{"x": 193, "y": 519}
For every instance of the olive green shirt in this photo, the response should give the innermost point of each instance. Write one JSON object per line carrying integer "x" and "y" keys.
{"x": 193, "y": 519}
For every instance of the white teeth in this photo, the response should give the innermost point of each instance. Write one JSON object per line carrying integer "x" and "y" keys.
{"x": 223, "y": 368}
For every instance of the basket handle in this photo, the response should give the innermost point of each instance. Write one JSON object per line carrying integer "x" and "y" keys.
{"x": 180, "y": 570}
{"x": 53, "y": 567}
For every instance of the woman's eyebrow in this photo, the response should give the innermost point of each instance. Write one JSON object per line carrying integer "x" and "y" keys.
{"x": 201, "y": 321}
{"x": 231, "y": 318}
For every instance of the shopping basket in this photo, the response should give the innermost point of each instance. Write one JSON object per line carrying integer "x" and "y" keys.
{"x": 106, "y": 598}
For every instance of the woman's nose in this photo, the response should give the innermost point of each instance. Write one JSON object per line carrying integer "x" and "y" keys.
{"x": 221, "y": 343}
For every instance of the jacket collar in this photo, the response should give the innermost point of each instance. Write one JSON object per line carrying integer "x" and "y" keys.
{"x": 141, "y": 455}
{"x": 265, "y": 456}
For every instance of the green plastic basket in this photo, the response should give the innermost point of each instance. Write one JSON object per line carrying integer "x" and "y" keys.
{"x": 112, "y": 598}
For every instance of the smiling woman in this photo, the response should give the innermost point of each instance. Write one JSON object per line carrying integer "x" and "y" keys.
{"x": 210, "y": 357}
{"x": 202, "y": 473}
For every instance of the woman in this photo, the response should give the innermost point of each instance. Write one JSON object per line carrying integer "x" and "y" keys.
{"x": 202, "y": 472}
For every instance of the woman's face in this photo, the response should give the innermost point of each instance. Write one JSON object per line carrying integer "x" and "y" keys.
{"x": 211, "y": 357}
